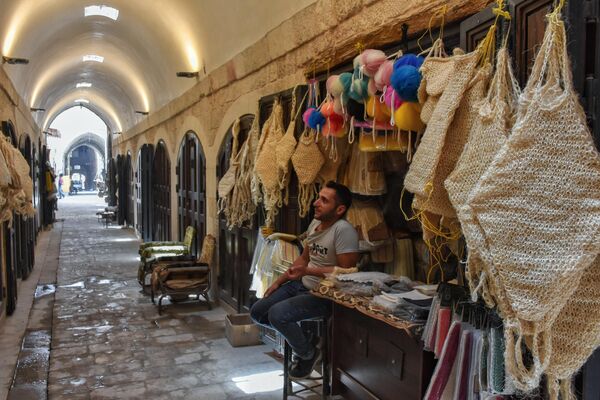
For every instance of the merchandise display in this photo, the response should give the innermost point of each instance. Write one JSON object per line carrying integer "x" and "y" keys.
{"x": 16, "y": 186}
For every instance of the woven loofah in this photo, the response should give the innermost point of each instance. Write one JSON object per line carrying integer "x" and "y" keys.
{"x": 490, "y": 130}
{"x": 428, "y": 154}
{"x": 336, "y": 154}
{"x": 307, "y": 161}
{"x": 538, "y": 208}
{"x": 285, "y": 149}
{"x": 575, "y": 333}
{"x": 227, "y": 182}
{"x": 17, "y": 195}
{"x": 455, "y": 139}
{"x": 242, "y": 207}
{"x": 266, "y": 162}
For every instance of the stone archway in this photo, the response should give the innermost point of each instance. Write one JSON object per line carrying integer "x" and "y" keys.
{"x": 79, "y": 153}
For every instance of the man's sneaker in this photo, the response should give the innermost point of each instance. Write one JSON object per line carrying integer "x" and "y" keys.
{"x": 304, "y": 368}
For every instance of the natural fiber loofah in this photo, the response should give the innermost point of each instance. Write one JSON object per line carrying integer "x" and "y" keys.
{"x": 541, "y": 241}
{"x": 285, "y": 149}
{"x": 364, "y": 173}
{"x": 266, "y": 163}
{"x": 307, "y": 161}
{"x": 494, "y": 119}
{"x": 421, "y": 172}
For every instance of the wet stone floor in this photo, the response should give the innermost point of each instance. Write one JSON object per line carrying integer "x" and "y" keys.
{"x": 107, "y": 340}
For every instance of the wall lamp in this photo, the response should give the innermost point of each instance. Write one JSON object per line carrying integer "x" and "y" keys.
{"x": 187, "y": 74}
{"x": 117, "y": 133}
{"x": 14, "y": 60}
{"x": 141, "y": 112}
{"x": 34, "y": 109}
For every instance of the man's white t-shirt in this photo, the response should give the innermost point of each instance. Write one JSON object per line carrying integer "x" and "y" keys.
{"x": 325, "y": 245}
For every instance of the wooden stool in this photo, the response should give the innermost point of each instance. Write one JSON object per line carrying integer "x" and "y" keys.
{"x": 319, "y": 328}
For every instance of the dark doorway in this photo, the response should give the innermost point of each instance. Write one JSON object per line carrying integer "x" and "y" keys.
{"x": 191, "y": 189}
{"x": 130, "y": 191}
{"x": 236, "y": 246}
{"x": 83, "y": 166}
{"x": 161, "y": 194}
{"x": 10, "y": 240}
{"x": 143, "y": 191}
{"x": 25, "y": 227}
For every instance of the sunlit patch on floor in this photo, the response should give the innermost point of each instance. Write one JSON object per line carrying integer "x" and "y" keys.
{"x": 258, "y": 383}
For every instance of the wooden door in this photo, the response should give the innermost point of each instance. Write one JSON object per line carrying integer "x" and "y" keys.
{"x": 191, "y": 189}
{"x": 24, "y": 227}
{"x": 236, "y": 246}
{"x": 121, "y": 190}
{"x": 130, "y": 191}
{"x": 161, "y": 194}
{"x": 144, "y": 192}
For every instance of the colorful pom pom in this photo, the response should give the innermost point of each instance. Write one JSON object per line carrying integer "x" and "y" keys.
{"x": 405, "y": 81}
{"x": 377, "y": 110}
{"x": 345, "y": 82}
{"x": 327, "y": 109}
{"x": 334, "y": 86}
{"x": 306, "y": 115}
{"x": 409, "y": 59}
{"x": 408, "y": 117}
{"x": 387, "y": 99}
{"x": 370, "y": 60}
{"x": 316, "y": 120}
{"x": 383, "y": 74}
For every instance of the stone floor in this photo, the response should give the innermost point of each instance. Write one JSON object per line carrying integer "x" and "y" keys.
{"x": 106, "y": 339}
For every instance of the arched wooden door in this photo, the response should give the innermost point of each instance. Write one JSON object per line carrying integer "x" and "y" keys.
{"x": 130, "y": 191}
{"x": 191, "y": 189}
{"x": 10, "y": 241}
{"x": 236, "y": 246}
{"x": 143, "y": 192}
{"x": 161, "y": 194}
{"x": 122, "y": 186}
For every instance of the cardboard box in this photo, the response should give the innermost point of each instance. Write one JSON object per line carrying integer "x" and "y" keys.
{"x": 241, "y": 331}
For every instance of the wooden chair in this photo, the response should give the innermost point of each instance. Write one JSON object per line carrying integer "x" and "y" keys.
{"x": 180, "y": 279}
{"x": 151, "y": 252}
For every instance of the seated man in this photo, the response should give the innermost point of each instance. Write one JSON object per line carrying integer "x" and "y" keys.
{"x": 332, "y": 241}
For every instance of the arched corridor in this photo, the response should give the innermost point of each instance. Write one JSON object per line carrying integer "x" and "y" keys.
{"x": 426, "y": 173}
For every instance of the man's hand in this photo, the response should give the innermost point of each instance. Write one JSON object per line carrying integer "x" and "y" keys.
{"x": 272, "y": 288}
{"x": 296, "y": 272}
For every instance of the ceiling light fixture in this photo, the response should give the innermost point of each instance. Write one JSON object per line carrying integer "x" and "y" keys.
{"x": 103, "y": 11}
{"x": 93, "y": 57}
{"x": 14, "y": 60}
{"x": 83, "y": 85}
{"x": 34, "y": 109}
{"x": 141, "y": 112}
{"x": 81, "y": 101}
{"x": 187, "y": 74}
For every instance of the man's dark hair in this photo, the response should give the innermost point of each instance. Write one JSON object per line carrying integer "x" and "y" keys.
{"x": 343, "y": 196}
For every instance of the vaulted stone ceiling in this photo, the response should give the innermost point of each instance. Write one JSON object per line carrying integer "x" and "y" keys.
{"x": 142, "y": 50}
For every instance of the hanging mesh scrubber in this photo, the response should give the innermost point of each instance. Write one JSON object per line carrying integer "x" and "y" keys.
{"x": 307, "y": 161}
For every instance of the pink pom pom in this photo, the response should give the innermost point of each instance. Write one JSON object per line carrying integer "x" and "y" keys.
{"x": 307, "y": 114}
{"x": 383, "y": 74}
{"x": 388, "y": 99}
{"x": 371, "y": 60}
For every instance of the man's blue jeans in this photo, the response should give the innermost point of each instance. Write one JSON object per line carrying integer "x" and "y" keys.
{"x": 285, "y": 308}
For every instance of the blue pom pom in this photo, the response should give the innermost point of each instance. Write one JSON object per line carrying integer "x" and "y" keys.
{"x": 409, "y": 59}
{"x": 316, "y": 120}
{"x": 405, "y": 81}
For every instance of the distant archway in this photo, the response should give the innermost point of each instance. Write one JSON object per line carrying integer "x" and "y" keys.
{"x": 80, "y": 157}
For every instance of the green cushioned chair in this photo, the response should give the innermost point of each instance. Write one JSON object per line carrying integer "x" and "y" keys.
{"x": 151, "y": 252}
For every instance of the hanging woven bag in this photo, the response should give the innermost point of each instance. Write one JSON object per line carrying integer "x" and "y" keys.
{"x": 494, "y": 119}
{"x": 426, "y": 158}
{"x": 266, "y": 162}
{"x": 575, "y": 334}
{"x": 307, "y": 161}
{"x": 227, "y": 182}
{"x": 538, "y": 206}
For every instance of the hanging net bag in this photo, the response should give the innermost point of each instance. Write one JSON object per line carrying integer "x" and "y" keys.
{"x": 538, "y": 208}
{"x": 266, "y": 162}
{"x": 307, "y": 161}
{"x": 242, "y": 208}
{"x": 425, "y": 160}
{"x": 227, "y": 182}
{"x": 494, "y": 119}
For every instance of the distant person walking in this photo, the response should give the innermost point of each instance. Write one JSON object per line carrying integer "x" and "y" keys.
{"x": 60, "y": 187}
